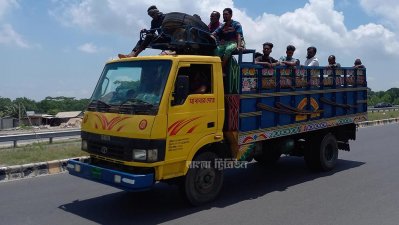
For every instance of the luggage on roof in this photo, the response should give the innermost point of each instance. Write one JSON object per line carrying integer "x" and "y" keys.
{"x": 184, "y": 34}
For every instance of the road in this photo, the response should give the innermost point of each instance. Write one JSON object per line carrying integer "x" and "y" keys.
{"x": 362, "y": 190}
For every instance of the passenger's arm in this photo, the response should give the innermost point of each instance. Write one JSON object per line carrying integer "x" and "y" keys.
{"x": 267, "y": 64}
{"x": 289, "y": 63}
{"x": 239, "y": 48}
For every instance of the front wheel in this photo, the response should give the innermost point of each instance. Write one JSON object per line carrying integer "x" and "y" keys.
{"x": 203, "y": 180}
{"x": 322, "y": 154}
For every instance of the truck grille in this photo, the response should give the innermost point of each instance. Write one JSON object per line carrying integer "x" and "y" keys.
{"x": 120, "y": 148}
{"x": 111, "y": 151}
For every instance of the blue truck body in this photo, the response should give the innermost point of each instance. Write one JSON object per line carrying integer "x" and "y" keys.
{"x": 266, "y": 103}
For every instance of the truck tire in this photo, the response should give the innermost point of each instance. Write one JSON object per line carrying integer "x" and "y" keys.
{"x": 322, "y": 153}
{"x": 202, "y": 185}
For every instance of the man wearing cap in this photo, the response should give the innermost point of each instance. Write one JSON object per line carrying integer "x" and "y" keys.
{"x": 156, "y": 22}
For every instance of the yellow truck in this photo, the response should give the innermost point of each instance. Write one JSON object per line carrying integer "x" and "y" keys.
{"x": 176, "y": 118}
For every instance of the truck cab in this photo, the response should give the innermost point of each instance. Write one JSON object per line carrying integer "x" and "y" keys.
{"x": 147, "y": 118}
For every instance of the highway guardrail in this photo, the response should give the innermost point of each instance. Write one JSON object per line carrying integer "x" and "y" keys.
{"x": 386, "y": 109}
{"x": 42, "y": 135}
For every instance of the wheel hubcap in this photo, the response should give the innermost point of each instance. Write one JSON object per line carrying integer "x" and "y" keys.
{"x": 205, "y": 180}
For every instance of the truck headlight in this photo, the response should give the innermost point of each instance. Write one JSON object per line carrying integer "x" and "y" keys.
{"x": 84, "y": 144}
{"x": 152, "y": 155}
{"x": 140, "y": 154}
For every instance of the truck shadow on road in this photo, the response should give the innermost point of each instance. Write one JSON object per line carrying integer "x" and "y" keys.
{"x": 164, "y": 202}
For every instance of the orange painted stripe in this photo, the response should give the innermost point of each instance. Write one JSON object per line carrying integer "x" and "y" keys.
{"x": 182, "y": 125}
{"x": 175, "y": 124}
{"x": 120, "y": 128}
{"x": 101, "y": 120}
{"x": 104, "y": 122}
{"x": 192, "y": 129}
{"x": 111, "y": 125}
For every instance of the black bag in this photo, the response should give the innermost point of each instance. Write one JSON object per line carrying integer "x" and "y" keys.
{"x": 186, "y": 34}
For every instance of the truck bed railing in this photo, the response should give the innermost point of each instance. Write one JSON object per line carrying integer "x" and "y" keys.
{"x": 259, "y": 98}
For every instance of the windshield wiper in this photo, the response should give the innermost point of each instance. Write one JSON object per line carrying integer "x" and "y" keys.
{"x": 136, "y": 102}
{"x": 99, "y": 102}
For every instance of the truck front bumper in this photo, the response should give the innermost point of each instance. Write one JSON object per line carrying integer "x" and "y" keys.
{"x": 121, "y": 180}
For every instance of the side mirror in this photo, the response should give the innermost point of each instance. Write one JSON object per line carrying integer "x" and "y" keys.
{"x": 181, "y": 90}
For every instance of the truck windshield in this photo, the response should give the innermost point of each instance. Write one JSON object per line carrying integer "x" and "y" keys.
{"x": 131, "y": 87}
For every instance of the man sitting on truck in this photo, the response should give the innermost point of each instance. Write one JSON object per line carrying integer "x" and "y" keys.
{"x": 214, "y": 21}
{"x": 289, "y": 60}
{"x": 358, "y": 64}
{"x": 156, "y": 22}
{"x": 331, "y": 62}
{"x": 265, "y": 59}
{"x": 229, "y": 35}
{"x": 311, "y": 59}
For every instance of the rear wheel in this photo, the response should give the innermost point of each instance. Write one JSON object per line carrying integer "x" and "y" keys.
{"x": 203, "y": 180}
{"x": 322, "y": 153}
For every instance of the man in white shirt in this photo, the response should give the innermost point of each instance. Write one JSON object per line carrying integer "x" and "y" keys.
{"x": 311, "y": 59}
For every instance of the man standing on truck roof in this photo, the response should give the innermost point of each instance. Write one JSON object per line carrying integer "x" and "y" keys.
{"x": 265, "y": 59}
{"x": 156, "y": 22}
{"x": 311, "y": 59}
{"x": 229, "y": 35}
{"x": 214, "y": 21}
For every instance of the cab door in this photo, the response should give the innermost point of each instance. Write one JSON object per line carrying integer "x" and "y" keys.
{"x": 194, "y": 118}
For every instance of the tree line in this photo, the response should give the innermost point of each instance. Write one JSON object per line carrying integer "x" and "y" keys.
{"x": 389, "y": 96}
{"x": 50, "y": 105}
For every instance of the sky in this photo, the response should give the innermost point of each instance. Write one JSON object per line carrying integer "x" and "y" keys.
{"x": 59, "y": 47}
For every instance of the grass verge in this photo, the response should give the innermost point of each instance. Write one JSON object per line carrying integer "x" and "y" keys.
{"x": 382, "y": 115}
{"x": 40, "y": 152}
